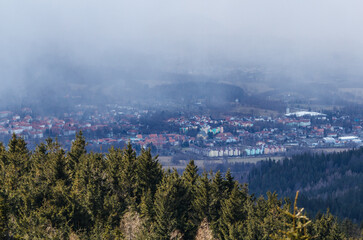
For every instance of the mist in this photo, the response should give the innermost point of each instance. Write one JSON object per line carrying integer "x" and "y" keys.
{"x": 140, "y": 44}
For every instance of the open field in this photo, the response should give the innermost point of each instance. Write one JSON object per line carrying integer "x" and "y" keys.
{"x": 330, "y": 150}
{"x": 166, "y": 161}
{"x": 253, "y": 159}
{"x": 255, "y": 111}
{"x": 251, "y": 87}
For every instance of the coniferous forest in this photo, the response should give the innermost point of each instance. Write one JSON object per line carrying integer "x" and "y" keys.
{"x": 53, "y": 194}
{"x": 333, "y": 181}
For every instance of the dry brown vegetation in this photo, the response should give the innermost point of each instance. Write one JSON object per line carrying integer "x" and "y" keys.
{"x": 204, "y": 231}
{"x": 131, "y": 225}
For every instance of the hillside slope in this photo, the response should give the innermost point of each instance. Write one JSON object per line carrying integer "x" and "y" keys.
{"x": 333, "y": 181}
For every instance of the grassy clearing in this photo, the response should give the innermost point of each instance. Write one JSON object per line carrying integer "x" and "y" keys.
{"x": 255, "y": 111}
{"x": 331, "y": 150}
{"x": 166, "y": 161}
{"x": 253, "y": 159}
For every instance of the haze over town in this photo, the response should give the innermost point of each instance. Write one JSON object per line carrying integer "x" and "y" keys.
{"x": 122, "y": 44}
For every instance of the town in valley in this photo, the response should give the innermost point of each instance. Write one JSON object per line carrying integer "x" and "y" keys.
{"x": 182, "y": 136}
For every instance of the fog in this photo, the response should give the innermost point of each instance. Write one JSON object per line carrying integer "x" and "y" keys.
{"x": 51, "y": 44}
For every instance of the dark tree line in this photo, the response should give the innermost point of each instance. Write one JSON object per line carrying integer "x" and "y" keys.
{"x": 53, "y": 194}
{"x": 333, "y": 181}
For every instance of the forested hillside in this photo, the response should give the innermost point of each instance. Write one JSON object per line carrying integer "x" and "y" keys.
{"x": 53, "y": 194}
{"x": 333, "y": 181}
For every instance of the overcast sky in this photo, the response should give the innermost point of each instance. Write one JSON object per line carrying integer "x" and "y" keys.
{"x": 177, "y": 35}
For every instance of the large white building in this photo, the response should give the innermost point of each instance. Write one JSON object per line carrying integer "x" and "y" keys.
{"x": 305, "y": 113}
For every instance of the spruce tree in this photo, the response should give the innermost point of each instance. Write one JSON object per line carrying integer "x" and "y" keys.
{"x": 327, "y": 228}
{"x": 78, "y": 149}
{"x": 128, "y": 177}
{"x": 217, "y": 196}
{"x": 164, "y": 204}
{"x": 229, "y": 181}
{"x": 233, "y": 217}
{"x": 18, "y": 155}
{"x": 190, "y": 174}
{"x": 16, "y": 177}
{"x": 202, "y": 200}
{"x": 171, "y": 206}
{"x": 148, "y": 172}
{"x": 114, "y": 202}
{"x": 190, "y": 179}
{"x": 296, "y": 224}
{"x": 147, "y": 205}
{"x": 17, "y": 145}
{"x": 113, "y": 161}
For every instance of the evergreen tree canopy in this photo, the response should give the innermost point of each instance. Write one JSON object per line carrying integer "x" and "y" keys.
{"x": 53, "y": 194}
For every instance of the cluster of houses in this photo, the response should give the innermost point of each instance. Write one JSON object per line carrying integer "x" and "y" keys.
{"x": 42, "y": 126}
{"x": 26, "y": 126}
{"x": 218, "y": 152}
{"x": 147, "y": 140}
{"x": 341, "y": 141}
{"x": 239, "y": 151}
{"x": 225, "y": 136}
{"x": 299, "y": 129}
